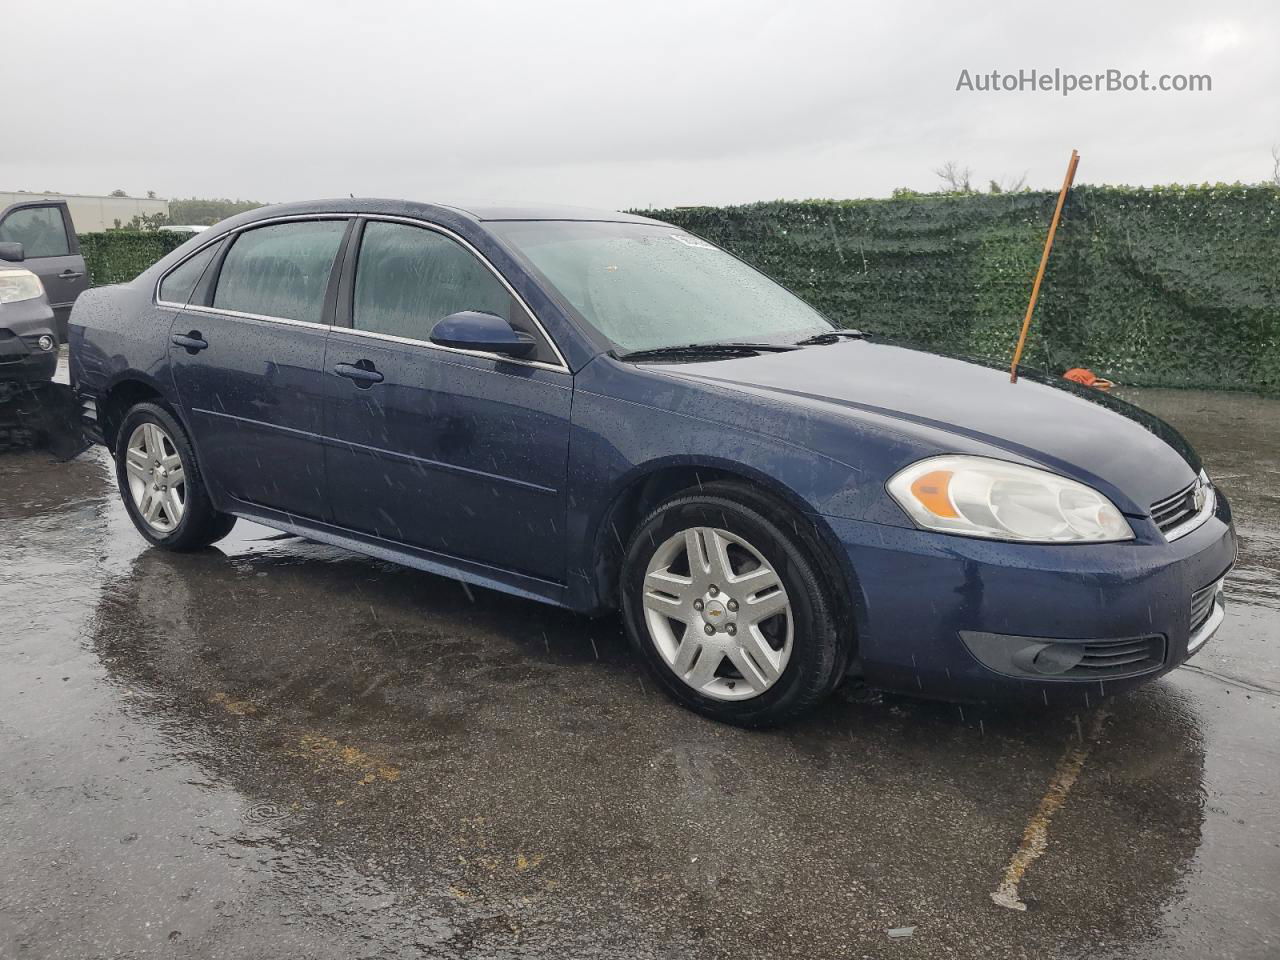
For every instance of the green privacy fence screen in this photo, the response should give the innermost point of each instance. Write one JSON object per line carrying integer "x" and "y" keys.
{"x": 120, "y": 255}
{"x": 1170, "y": 286}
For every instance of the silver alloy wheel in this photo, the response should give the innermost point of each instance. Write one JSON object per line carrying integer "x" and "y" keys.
{"x": 157, "y": 481}
{"x": 718, "y": 613}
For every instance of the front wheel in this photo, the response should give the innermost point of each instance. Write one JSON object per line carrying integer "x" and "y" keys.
{"x": 160, "y": 482}
{"x": 727, "y": 610}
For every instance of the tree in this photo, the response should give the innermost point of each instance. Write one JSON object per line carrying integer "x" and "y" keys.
{"x": 151, "y": 194}
{"x": 1275, "y": 165}
{"x": 1008, "y": 185}
{"x": 955, "y": 178}
{"x": 117, "y": 193}
{"x": 148, "y": 222}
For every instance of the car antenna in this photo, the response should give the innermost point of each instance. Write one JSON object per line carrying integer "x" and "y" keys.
{"x": 1044, "y": 262}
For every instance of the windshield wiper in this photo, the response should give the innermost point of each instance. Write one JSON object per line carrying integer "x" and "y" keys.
{"x": 702, "y": 351}
{"x": 831, "y": 336}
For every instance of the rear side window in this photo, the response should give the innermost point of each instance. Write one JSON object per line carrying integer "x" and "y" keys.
{"x": 281, "y": 270}
{"x": 408, "y": 279}
{"x": 181, "y": 282}
{"x": 40, "y": 230}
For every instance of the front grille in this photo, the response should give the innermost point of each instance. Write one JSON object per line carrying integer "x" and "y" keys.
{"x": 1105, "y": 659}
{"x": 1202, "y": 605}
{"x": 1177, "y": 509}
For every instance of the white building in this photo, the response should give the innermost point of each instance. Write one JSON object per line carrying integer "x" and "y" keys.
{"x": 94, "y": 214}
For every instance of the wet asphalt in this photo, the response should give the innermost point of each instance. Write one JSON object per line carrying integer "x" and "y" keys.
{"x": 279, "y": 749}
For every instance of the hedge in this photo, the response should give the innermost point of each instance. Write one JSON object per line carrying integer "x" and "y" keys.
{"x": 1169, "y": 286}
{"x": 120, "y": 255}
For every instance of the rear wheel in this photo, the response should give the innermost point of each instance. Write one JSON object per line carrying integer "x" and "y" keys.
{"x": 727, "y": 609}
{"x": 160, "y": 482}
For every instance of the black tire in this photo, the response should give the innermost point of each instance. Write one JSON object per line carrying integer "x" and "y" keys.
{"x": 200, "y": 525}
{"x": 819, "y": 650}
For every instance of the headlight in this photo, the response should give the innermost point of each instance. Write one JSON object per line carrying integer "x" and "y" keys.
{"x": 981, "y": 497}
{"x": 18, "y": 285}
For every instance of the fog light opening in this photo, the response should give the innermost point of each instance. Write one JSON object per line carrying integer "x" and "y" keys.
{"x": 46, "y": 342}
{"x": 1057, "y": 658}
{"x": 1048, "y": 659}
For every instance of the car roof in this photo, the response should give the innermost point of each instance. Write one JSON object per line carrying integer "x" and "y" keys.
{"x": 489, "y": 210}
{"x": 479, "y": 211}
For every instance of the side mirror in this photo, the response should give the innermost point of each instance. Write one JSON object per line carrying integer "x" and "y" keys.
{"x": 12, "y": 252}
{"x": 472, "y": 330}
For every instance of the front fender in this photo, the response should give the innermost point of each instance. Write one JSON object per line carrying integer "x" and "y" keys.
{"x": 628, "y": 426}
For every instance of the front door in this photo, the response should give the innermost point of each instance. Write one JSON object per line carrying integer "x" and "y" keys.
{"x": 458, "y": 453}
{"x": 246, "y": 356}
{"x": 52, "y": 253}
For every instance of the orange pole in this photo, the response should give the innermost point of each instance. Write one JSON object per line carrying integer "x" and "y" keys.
{"x": 1044, "y": 262}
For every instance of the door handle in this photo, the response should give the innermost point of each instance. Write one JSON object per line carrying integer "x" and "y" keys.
{"x": 362, "y": 372}
{"x": 70, "y": 275}
{"x": 192, "y": 342}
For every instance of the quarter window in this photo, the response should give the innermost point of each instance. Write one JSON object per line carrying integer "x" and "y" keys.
{"x": 281, "y": 270}
{"x": 40, "y": 230}
{"x": 181, "y": 282}
{"x": 408, "y": 279}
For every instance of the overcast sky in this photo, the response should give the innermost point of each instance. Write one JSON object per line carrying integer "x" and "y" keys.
{"x": 632, "y": 104}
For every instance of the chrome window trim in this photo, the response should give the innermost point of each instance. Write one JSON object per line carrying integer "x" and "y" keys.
{"x": 561, "y": 367}
{"x": 155, "y": 294}
{"x": 409, "y": 341}
{"x": 1203, "y": 514}
{"x": 239, "y": 315}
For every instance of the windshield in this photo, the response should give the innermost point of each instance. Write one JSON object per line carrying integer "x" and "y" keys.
{"x": 646, "y": 287}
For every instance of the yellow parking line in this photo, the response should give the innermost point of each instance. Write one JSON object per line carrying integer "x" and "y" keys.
{"x": 1036, "y": 837}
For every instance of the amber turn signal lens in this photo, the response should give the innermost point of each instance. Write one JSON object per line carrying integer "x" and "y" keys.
{"x": 931, "y": 490}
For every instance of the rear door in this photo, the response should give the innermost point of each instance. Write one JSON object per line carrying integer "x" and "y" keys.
{"x": 246, "y": 353}
{"x": 456, "y": 452}
{"x": 52, "y": 252}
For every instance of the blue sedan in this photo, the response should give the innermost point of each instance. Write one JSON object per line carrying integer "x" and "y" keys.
{"x": 604, "y": 412}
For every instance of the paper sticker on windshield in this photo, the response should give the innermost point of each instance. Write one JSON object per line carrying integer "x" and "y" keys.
{"x": 689, "y": 241}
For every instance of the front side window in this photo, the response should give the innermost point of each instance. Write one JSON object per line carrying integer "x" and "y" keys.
{"x": 646, "y": 286}
{"x": 280, "y": 270}
{"x": 181, "y": 282}
{"x": 408, "y": 279}
{"x": 40, "y": 230}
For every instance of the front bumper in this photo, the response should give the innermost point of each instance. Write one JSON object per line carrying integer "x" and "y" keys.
{"x": 22, "y": 324}
{"x": 970, "y": 619}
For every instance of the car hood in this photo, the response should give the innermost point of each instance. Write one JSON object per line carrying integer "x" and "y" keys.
{"x": 1075, "y": 430}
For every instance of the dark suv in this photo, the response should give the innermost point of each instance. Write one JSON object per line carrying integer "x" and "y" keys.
{"x": 51, "y": 250}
